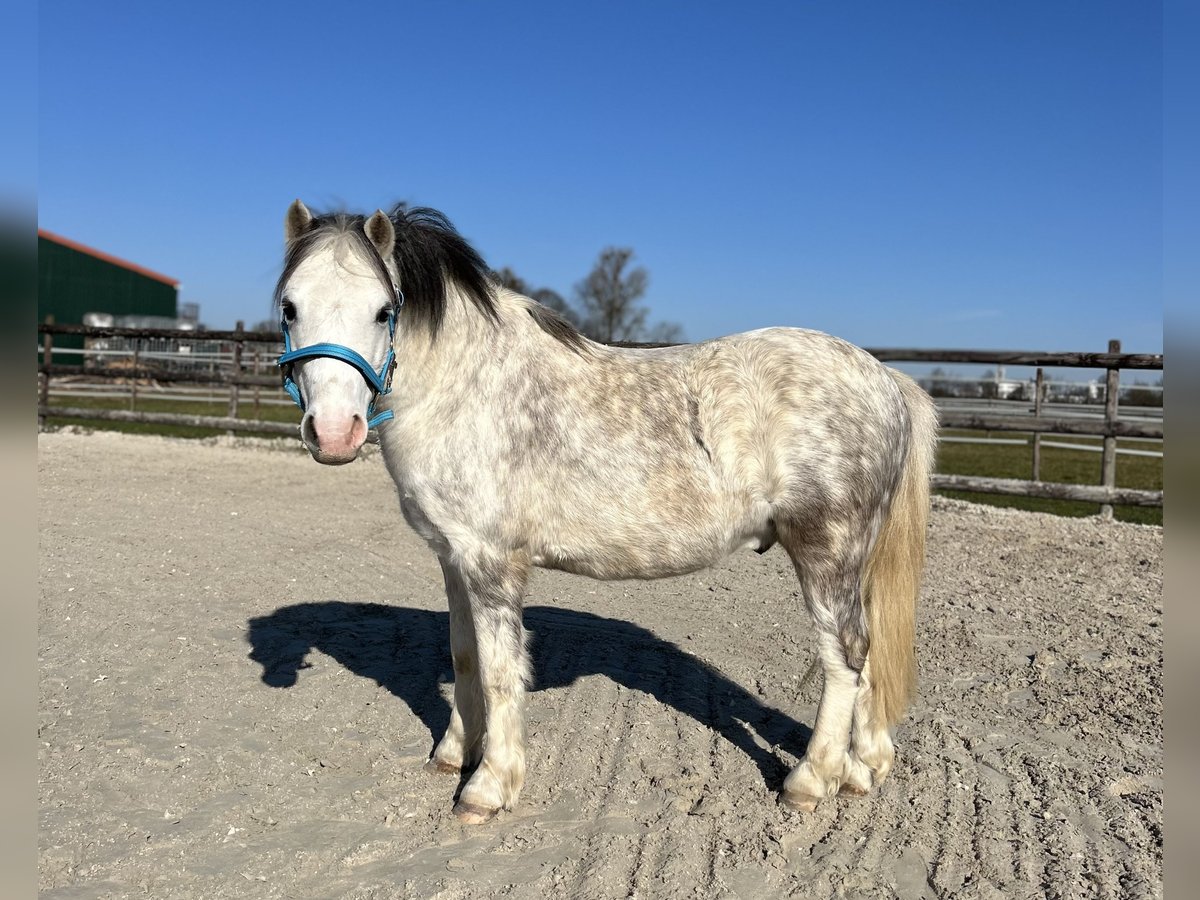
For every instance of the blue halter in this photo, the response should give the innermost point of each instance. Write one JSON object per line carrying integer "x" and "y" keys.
{"x": 380, "y": 382}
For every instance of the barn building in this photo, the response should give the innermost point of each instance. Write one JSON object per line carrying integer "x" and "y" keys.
{"x": 75, "y": 280}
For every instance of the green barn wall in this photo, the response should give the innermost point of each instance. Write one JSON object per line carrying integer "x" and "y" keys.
{"x": 71, "y": 283}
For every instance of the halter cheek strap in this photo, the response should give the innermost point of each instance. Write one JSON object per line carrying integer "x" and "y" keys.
{"x": 380, "y": 381}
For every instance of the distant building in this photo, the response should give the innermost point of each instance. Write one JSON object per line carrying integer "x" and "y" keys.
{"x": 75, "y": 280}
{"x": 1010, "y": 388}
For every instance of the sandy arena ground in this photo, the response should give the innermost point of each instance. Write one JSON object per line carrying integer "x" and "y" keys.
{"x": 244, "y": 664}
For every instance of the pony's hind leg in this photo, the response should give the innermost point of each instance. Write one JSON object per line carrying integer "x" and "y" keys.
{"x": 831, "y": 591}
{"x": 462, "y": 744}
{"x": 495, "y": 589}
{"x": 828, "y": 766}
{"x": 871, "y": 739}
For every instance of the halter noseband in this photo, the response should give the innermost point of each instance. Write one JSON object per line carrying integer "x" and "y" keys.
{"x": 380, "y": 382}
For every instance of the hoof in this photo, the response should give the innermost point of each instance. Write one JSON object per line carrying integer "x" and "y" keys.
{"x": 472, "y": 814}
{"x": 799, "y": 802}
{"x": 438, "y": 767}
{"x": 851, "y": 790}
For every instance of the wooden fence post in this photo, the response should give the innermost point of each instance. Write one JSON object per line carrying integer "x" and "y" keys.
{"x": 44, "y": 379}
{"x": 1039, "y": 391}
{"x": 1108, "y": 463}
{"x": 257, "y": 389}
{"x": 237, "y": 372}
{"x": 137, "y": 361}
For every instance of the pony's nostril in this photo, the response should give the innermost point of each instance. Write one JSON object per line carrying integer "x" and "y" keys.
{"x": 308, "y": 431}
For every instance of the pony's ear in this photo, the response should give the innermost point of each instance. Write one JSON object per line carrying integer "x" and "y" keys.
{"x": 297, "y": 221}
{"x": 382, "y": 233}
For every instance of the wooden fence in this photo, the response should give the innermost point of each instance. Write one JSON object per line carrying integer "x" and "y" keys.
{"x": 1109, "y": 428}
{"x": 232, "y": 377}
{"x": 235, "y": 377}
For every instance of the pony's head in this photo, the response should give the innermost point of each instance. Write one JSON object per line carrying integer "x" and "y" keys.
{"x": 352, "y": 286}
{"x": 338, "y": 299}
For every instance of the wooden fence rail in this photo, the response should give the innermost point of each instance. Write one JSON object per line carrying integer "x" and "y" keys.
{"x": 226, "y": 423}
{"x": 170, "y": 334}
{"x": 1095, "y": 427}
{"x": 1114, "y": 359}
{"x": 58, "y": 370}
{"x": 1049, "y": 490}
{"x": 233, "y": 377}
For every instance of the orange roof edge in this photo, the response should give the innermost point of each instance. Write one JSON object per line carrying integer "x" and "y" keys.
{"x": 107, "y": 257}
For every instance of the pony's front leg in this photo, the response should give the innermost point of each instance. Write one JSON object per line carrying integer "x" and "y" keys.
{"x": 462, "y": 744}
{"x": 495, "y": 586}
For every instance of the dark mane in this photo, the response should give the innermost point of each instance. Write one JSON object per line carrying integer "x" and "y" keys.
{"x": 557, "y": 327}
{"x": 429, "y": 253}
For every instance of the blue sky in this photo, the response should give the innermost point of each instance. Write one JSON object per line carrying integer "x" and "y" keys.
{"x": 921, "y": 174}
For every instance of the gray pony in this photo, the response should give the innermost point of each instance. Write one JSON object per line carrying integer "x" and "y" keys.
{"x": 516, "y": 442}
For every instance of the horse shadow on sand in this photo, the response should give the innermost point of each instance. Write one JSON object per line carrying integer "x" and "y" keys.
{"x": 407, "y": 651}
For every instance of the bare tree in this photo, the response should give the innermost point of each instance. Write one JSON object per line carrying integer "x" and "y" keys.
{"x": 608, "y": 297}
{"x": 608, "y": 301}
{"x": 939, "y": 386}
{"x": 607, "y": 307}
{"x": 1143, "y": 394}
{"x": 665, "y": 333}
{"x": 506, "y": 277}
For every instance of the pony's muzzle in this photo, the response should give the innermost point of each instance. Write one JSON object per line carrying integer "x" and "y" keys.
{"x": 333, "y": 439}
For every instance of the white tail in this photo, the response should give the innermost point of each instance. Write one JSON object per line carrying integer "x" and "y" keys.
{"x": 893, "y": 575}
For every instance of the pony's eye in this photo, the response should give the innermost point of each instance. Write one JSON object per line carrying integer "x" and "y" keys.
{"x": 383, "y": 315}
{"x": 288, "y": 308}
